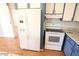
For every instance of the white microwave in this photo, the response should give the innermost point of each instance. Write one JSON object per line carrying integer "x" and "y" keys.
{"x": 54, "y": 40}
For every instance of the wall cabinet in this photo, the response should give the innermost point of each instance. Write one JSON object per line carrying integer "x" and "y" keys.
{"x": 49, "y": 8}
{"x": 59, "y": 8}
{"x": 70, "y": 47}
{"x": 68, "y": 11}
{"x": 76, "y": 16}
{"x": 54, "y": 10}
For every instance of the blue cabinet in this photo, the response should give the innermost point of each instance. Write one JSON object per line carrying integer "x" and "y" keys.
{"x": 75, "y": 51}
{"x": 67, "y": 48}
{"x": 70, "y": 47}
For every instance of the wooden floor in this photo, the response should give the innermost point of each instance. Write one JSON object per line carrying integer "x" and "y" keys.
{"x": 12, "y": 46}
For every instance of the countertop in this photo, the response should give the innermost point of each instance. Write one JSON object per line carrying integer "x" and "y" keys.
{"x": 73, "y": 35}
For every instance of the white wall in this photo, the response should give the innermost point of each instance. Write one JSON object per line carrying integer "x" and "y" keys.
{"x": 0, "y": 28}
{"x": 5, "y": 22}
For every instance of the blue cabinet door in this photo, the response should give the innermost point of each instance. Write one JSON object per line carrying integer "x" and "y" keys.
{"x": 75, "y": 51}
{"x": 67, "y": 48}
{"x": 70, "y": 47}
{"x": 70, "y": 40}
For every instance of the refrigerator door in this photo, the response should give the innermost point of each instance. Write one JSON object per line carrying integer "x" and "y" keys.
{"x": 22, "y": 19}
{"x": 34, "y": 22}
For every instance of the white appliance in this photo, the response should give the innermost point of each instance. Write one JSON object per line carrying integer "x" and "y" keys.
{"x": 54, "y": 39}
{"x": 29, "y": 25}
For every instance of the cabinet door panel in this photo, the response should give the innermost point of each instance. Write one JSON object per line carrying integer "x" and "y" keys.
{"x": 75, "y": 50}
{"x": 68, "y": 12}
{"x": 70, "y": 41}
{"x": 59, "y": 7}
{"x": 49, "y": 7}
{"x": 76, "y": 18}
{"x": 67, "y": 48}
{"x": 34, "y": 22}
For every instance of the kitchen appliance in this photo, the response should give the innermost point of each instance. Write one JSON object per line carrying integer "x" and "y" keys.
{"x": 30, "y": 26}
{"x": 29, "y": 29}
{"x": 54, "y": 39}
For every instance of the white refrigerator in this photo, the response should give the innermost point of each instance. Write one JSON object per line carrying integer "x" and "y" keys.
{"x": 29, "y": 28}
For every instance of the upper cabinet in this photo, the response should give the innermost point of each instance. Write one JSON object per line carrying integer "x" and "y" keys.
{"x": 62, "y": 11}
{"x": 54, "y": 10}
{"x": 76, "y": 16}
{"x": 69, "y": 12}
{"x": 59, "y": 8}
{"x": 49, "y": 8}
